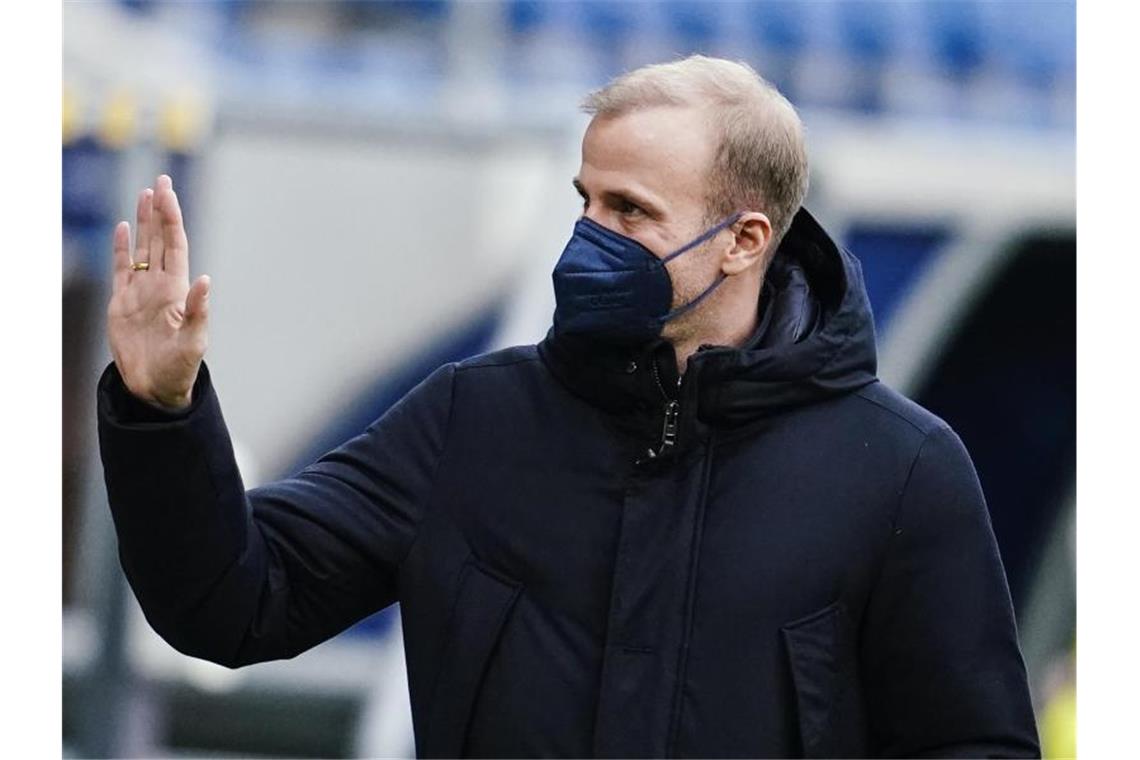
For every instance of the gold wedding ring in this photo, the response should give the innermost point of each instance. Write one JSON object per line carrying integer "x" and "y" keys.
{"x": 140, "y": 266}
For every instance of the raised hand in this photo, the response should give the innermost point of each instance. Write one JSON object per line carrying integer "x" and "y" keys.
{"x": 156, "y": 320}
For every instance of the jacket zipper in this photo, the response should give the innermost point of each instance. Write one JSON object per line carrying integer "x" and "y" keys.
{"x": 671, "y": 417}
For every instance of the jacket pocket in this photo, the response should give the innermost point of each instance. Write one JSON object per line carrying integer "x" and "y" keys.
{"x": 481, "y": 608}
{"x": 816, "y": 649}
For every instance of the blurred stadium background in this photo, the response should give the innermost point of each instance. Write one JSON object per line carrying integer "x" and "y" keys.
{"x": 380, "y": 187}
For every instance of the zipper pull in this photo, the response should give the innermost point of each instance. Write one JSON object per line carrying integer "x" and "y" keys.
{"x": 668, "y": 430}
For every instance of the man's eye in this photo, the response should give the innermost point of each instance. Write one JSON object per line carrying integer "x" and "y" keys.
{"x": 626, "y": 207}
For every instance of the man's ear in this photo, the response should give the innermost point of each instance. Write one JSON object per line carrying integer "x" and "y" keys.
{"x": 753, "y": 231}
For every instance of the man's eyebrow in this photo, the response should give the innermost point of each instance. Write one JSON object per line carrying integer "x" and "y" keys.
{"x": 633, "y": 196}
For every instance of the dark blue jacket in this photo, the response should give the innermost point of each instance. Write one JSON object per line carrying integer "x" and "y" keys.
{"x": 803, "y": 565}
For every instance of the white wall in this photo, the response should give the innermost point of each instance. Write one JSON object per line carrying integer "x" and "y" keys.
{"x": 336, "y": 252}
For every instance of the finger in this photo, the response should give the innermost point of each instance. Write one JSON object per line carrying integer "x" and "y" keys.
{"x": 198, "y": 300}
{"x": 173, "y": 232}
{"x": 121, "y": 257}
{"x": 143, "y": 213}
{"x": 155, "y": 246}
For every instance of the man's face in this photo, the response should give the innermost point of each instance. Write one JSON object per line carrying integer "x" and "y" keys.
{"x": 644, "y": 175}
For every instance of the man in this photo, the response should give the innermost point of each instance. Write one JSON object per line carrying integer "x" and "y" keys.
{"x": 690, "y": 522}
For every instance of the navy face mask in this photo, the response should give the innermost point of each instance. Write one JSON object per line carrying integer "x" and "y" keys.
{"x": 611, "y": 287}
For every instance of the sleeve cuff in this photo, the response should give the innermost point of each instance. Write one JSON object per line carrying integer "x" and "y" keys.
{"x": 125, "y": 408}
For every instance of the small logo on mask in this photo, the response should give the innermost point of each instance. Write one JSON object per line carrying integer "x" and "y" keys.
{"x": 605, "y": 300}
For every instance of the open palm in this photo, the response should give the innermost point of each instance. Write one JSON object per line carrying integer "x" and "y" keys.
{"x": 156, "y": 320}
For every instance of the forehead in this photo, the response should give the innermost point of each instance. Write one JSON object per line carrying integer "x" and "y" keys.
{"x": 663, "y": 150}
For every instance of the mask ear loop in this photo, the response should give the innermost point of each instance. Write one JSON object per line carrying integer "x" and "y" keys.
{"x": 720, "y": 277}
{"x": 692, "y": 304}
{"x": 705, "y": 236}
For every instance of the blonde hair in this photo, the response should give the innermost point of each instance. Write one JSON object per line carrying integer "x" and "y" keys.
{"x": 760, "y": 161}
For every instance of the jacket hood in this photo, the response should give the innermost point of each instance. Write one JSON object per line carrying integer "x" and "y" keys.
{"x": 815, "y": 339}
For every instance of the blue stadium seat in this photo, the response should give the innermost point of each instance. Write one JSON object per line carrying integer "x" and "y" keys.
{"x": 694, "y": 24}
{"x": 956, "y": 35}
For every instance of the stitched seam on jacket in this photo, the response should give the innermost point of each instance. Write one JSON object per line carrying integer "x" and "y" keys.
{"x": 429, "y": 502}
{"x": 610, "y": 637}
{"x": 910, "y": 474}
{"x": 691, "y": 598}
{"x": 492, "y": 365}
{"x": 895, "y": 412}
{"x": 500, "y": 619}
{"x": 448, "y": 636}
{"x": 894, "y": 522}
{"x": 842, "y": 684}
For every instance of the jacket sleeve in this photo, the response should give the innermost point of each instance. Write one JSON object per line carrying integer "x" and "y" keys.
{"x": 941, "y": 663}
{"x": 236, "y": 576}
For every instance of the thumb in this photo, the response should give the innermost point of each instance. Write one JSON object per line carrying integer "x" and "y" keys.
{"x": 198, "y": 300}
